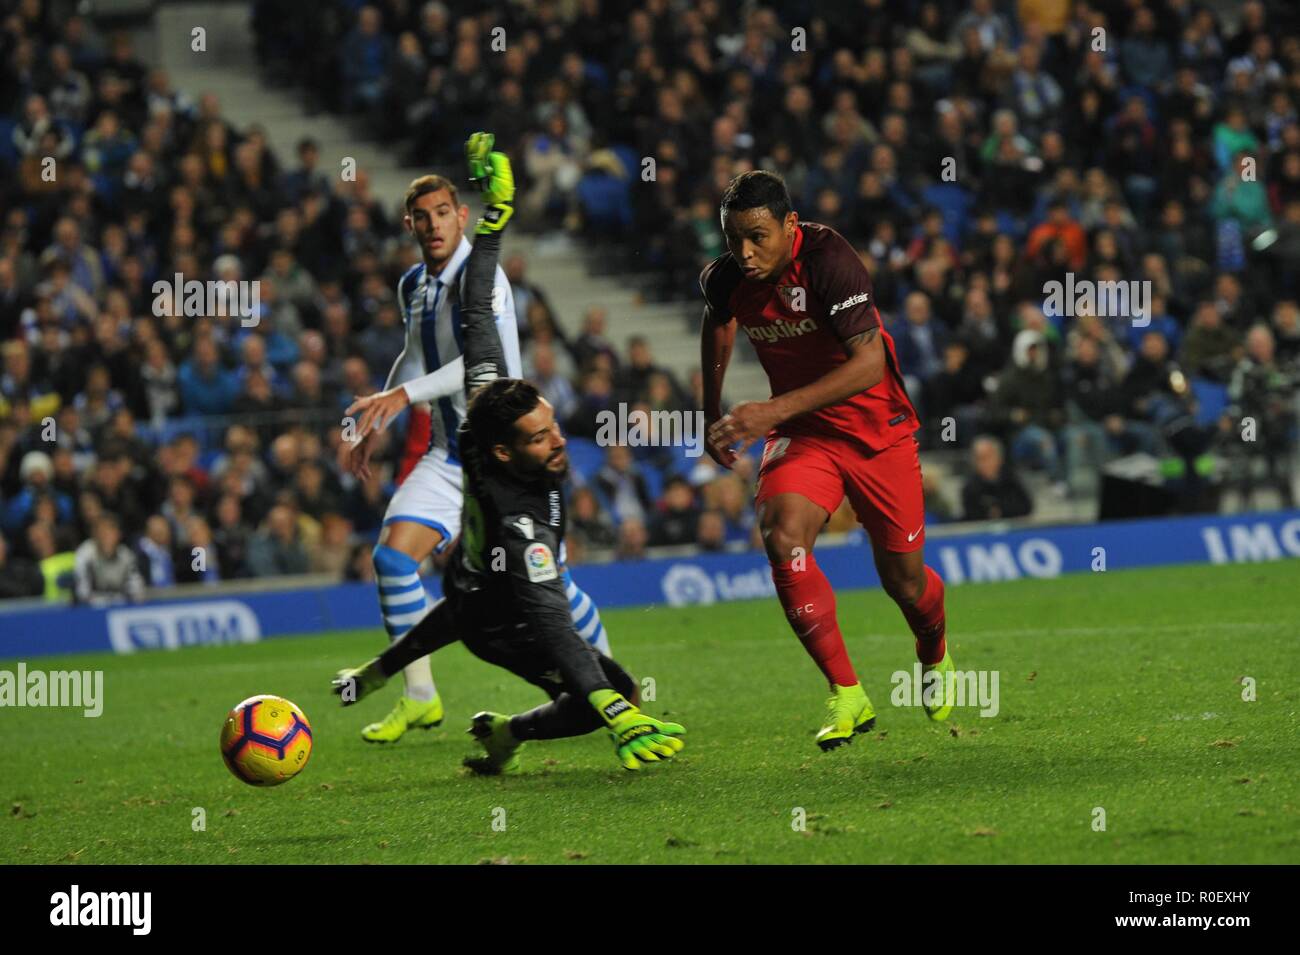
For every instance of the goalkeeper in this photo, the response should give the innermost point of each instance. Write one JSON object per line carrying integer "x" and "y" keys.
{"x": 504, "y": 597}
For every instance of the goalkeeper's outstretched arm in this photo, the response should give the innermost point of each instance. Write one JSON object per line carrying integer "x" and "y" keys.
{"x": 489, "y": 171}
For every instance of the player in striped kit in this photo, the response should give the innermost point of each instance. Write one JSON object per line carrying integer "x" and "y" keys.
{"x": 423, "y": 517}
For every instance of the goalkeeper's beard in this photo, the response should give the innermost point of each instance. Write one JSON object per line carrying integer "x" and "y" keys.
{"x": 557, "y": 465}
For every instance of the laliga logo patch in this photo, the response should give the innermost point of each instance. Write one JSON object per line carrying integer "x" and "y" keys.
{"x": 540, "y": 563}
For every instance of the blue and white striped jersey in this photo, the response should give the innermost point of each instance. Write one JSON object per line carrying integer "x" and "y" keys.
{"x": 431, "y": 366}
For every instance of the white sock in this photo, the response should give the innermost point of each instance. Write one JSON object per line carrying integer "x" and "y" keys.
{"x": 403, "y": 603}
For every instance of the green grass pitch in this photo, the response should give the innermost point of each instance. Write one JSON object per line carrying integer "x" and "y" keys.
{"x": 1119, "y": 690}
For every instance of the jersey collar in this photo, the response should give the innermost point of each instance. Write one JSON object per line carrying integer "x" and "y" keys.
{"x": 798, "y": 242}
{"x": 449, "y": 271}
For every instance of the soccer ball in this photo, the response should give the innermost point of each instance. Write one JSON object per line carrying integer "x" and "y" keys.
{"x": 266, "y": 740}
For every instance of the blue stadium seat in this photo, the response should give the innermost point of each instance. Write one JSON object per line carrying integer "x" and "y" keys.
{"x": 604, "y": 202}
{"x": 586, "y": 456}
{"x": 1211, "y": 400}
{"x": 954, "y": 203}
{"x": 1008, "y": 224}
{"x": 681, "y": 463}
{"x": 629, "y": 157}
{"x": 654, "y": 481}
{"x": 8, "y": 153}
{"x": 209, "y": 458}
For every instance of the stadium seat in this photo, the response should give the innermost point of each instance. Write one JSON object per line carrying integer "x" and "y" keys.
{"x": 1211, "y": 400}
{"x": 8, "y": 152}
{"x": 604, "y": 202}
{"x": 586, "y": 456}
{"x": 629, "y": 157}
{"x": 954, "y": 203}
{"x": 654, "y": 481}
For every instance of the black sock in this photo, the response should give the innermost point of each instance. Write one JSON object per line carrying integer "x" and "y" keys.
{"x": 566, "y": 715}
{"x": 435, "y": 630}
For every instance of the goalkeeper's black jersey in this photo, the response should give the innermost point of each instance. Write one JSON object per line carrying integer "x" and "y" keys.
{"x": 507, "y": 560}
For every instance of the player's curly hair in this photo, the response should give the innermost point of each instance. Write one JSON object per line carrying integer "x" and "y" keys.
{"x": 496, "y": 407}
{"x": 754, "y": 189}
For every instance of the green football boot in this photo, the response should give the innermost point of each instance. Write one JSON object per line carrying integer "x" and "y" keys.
{"x": 943, "y": 707}
{"x": 848, "y": 711}
{"x": 500, "y": 748}
{"x": 407, "y": 714}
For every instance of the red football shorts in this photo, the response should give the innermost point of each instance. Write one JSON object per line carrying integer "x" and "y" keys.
{"x": 884, "y": 487}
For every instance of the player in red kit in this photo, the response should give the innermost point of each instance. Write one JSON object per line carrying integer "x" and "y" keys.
{"x": 839, "y": 423}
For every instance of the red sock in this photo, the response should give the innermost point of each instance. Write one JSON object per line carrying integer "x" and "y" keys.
{"x": 926, "y": 618}
{"x": 809, "y": 604}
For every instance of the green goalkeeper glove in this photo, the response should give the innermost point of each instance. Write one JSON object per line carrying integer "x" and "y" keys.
{"x": 638, "y": 738}
{"x": 490, "y": 172}
{"x": 352, "y": 684}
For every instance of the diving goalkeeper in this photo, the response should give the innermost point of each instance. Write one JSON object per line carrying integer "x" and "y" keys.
{"x": 504, "y": 597}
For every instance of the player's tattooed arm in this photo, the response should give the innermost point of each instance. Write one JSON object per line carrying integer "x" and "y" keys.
{"x": 862, "y": 338}
{"x": 864, "y": 369}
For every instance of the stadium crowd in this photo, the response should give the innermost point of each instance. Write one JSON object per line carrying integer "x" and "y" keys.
{"x": 973, "y": 152}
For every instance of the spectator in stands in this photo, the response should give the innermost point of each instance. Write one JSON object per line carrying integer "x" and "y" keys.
{"x": 19, "y": 577}
{"x": 36, "y": 472}
{"x": 277, "y": 549}
{"x": 955, "y": 392}
{"x": 315, "y": 495}
{"x": 986, "y": 341}
{"x": 1211, "y": 348}
{"x": 1286, "y": 333}
{"x": 633, "y": 381}
{"x": 1263, "y": 393}
{"x": 1149, "y": 389}
{"x": 107, "y": 571}
{"x": 20, "y": 382}
{"x": 632, "y": 539}
{"x": 365, "y": 58}
{"x": 1098, "y": 428}
{"x": 677, "y": 517}
{"x": 523, "y": 290}
{"x": 588, "y": 523}
{"x": 330, "y": 553}
{"x": 596, "y": 395}
{"x": 57, "y": 565}
{"x": 307, "y": 177}
{"x": 592, "y": 341}
{"x": 201, "y": 562}
{"x": 623, "y": 486}
{"x": 729, "y": 496}
{"x": 70, "y": 250}
{"x": 920, "y": 343}
{"x": 206, "y": 387}
{"x": 555, "y": 388}
{"x": 711, "y": 531}
{"x": 1059, "y": 226}
{"x": 553, "y": 163}
{"x": 992, "y": 492}
{"x": 231, "y": 537}
{"x": 1027, "y": 404}
{"x": 156, "y": 552}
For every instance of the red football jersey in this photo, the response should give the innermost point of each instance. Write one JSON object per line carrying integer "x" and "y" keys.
{"x": 799, "y": 326}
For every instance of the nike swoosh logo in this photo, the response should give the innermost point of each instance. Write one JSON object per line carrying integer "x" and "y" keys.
{"x": 912, "y": 536}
